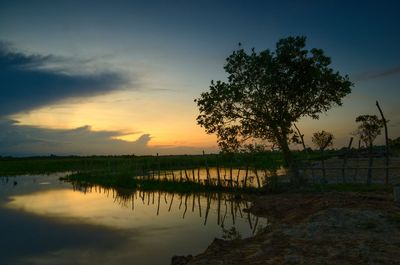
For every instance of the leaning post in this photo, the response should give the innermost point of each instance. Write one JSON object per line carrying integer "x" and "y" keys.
{"x": 386, "y": 144}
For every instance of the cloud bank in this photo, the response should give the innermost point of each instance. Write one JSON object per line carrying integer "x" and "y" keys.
{"x": 27, "y": 82}
{"x": 24, "y": 140}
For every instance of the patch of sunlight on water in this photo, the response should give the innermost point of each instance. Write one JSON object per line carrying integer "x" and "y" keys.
{"x": 140, "y": 209}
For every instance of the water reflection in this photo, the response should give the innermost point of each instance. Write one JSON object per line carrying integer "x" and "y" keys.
{"x": 112, "y": 226}
{"x": 226, "y": 207}
{"x": 224, "y": 176}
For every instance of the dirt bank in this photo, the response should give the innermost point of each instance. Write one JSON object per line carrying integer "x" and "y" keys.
{"x": 329, "y": 228}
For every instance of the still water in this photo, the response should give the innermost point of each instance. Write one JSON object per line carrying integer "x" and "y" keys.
{"x": 228, "y": 177}
{"x": 46, "y": 221}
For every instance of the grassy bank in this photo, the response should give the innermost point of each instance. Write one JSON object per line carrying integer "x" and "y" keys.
{"x": 134, "y": 164}
{"x": 121, "y": 181}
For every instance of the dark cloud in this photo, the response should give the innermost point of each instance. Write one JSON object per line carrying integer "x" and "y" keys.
{"x": 18, "y": 139}
{"x": 24, "y": 140}
{"x": 27, "y": 82}
{"x": 395, "y": 71}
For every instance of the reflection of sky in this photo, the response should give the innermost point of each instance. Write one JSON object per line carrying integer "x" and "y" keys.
{"x": 170, "y": 51}
{"x": 57, "y": 223}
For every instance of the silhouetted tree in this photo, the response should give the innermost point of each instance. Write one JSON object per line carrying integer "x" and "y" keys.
{"x": 267, "y": 92}
{"x": 322, "y": 140}
{"x": 369, "y": 128}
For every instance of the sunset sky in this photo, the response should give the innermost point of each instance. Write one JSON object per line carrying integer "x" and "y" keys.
{"x": 120, "y": 77}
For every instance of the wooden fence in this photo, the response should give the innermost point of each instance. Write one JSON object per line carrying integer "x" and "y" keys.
{"x": 354, "y": 170}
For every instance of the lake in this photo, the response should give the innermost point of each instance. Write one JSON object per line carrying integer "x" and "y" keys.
{"x": 46, "y": 221}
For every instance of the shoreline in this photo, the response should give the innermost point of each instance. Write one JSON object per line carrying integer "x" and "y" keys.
{"x": 315, "y": 228}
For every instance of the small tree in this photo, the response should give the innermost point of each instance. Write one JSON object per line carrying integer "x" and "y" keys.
{"x": 323, "y": 140}
{"x": 267, "y": 92}
{"x": 369, "y": 128}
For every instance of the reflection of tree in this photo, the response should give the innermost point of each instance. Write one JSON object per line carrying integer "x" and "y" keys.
{"x": 225, "y": 204}
{"x": 240, "y": 177}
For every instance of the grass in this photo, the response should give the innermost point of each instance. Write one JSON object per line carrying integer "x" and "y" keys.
{"x": 129, "y": 182}
{"x": 137, "y": 164}
{"x": 120, "y": 171}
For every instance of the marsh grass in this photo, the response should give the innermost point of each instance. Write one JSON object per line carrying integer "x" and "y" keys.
{"x": 118, "y": 181}
{"x": 134, "y": 164}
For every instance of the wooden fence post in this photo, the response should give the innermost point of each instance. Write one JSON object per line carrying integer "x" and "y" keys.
{"x": 323, "y": 166}
{"x": 158, "y": 166}
{"x": 207, "y": 169}
{"x": 345, "y": 160}
{"x": 386, "y": 144}
{"x": 357, "y": 161}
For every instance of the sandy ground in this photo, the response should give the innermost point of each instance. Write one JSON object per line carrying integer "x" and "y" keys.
{"x": 328, "y": 228}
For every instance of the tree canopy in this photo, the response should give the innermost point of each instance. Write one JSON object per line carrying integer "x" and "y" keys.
{"x": 266, "y": 92}
{"x": 369, "y": 128}
{"x": 322, "y": 139}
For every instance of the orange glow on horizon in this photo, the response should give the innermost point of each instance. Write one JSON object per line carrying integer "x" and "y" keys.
{"x": 156, "y": 117}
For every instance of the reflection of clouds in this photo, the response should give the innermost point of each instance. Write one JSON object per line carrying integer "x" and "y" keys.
{"x": 32, "y": 239}
{"x": 161, "y": 211}
{"x": 224, "y": 209}
{"x": 31, "y": 81}
{"x": 71, "y": 206}
{"x": 100, "y": 226}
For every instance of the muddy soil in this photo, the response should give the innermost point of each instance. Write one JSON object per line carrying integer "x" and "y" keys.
{"x": 328, "y": 228}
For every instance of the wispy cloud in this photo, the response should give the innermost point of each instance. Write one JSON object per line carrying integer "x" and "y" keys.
{"x": 365, "y": 76}
{"x": 30, "y": 81}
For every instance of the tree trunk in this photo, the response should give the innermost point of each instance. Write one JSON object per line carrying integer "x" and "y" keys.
{"x": 295, "y": 177}
{"x": 323, "y": 167}
{"x": 301, "y": 137}
{"x": 345, "y": 156}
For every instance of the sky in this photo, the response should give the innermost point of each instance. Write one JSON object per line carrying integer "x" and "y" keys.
{"x": 120, "y": 77}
